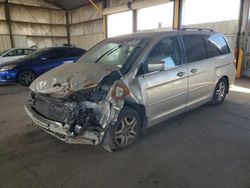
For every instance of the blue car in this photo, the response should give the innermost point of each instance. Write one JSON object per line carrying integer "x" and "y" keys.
{"x": 26, "y": 69}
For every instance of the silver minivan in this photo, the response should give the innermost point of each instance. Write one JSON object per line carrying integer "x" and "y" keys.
{"x": 126, "y": 84}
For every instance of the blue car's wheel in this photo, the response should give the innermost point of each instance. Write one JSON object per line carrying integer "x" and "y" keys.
{"x": 26, "y": 77}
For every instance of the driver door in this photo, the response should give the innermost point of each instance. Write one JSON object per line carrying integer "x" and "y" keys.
{"x": 166, "y": 90}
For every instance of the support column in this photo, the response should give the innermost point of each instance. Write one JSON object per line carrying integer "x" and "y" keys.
{"x": 177, "y": 14}
{"x": 242, "y": 38}
{"x": 134, "y": 21}
{"x": 8, "y": 20}
{"x": 67, "y": 26}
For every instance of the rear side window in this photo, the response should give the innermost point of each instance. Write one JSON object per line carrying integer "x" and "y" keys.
{"x": 195, "y": 48}
{"x": 28, "y": 51}
{"x": 216, "y": 45}
{"x": 17, "y": 52}
{"x": 75, "y": 52}
{"x": 58, "y": 53}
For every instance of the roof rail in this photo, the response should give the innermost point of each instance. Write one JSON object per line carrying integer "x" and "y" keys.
{"x": 196, "y": 29}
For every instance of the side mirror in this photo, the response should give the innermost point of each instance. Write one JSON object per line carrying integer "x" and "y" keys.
{"x": 156, "y": 66}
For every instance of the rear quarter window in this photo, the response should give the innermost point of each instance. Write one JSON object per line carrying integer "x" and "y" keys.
{"x": 75, "y": 52}
{"x": 195, "y": 48}
{"x": 216, "y": 45}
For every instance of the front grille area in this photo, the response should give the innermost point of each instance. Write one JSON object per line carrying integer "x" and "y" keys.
{"x": 51, "y": 108}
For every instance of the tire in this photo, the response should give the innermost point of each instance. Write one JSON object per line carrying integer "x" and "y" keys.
{"x": 220, "y": 92}
{"x": 26, "y": 77}
{"x": 124, "y": 132}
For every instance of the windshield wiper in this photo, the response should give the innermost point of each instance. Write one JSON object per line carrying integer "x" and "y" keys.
{"x": 112, "y": 50}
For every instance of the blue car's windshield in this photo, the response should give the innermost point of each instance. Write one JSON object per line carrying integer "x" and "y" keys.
{"x": 34, "y": 54}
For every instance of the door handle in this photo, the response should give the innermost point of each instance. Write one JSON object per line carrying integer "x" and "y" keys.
{"x": 194, "y": 70}
{"x": 180, "y": 74}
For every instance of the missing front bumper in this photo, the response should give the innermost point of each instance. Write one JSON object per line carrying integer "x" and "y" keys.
{"x": 57, "y": 129}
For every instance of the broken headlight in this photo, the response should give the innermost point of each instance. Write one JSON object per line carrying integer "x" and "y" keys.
{"x": 119, "y": 91}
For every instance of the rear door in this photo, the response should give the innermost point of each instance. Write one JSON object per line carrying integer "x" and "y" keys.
{"x": 166, "y": 90}
{"x": 200, "y": 70}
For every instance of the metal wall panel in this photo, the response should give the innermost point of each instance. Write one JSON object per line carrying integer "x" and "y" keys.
{"x": 86, "y": 28}
{"x": 39, "y": 23}
{"x": 137, "y": 3}
{"x": 20, "y": 41}
{"x": 84, "y": 13}
{"x": 86, "y": 41}
{"x": 4, "y": 42}
{"x": 39, "y": 3}
{"x": 2, "y": 12}
{"x": 37, "y": 15}
{"x": 4, "y": 27}
{"x": 42, "y": 42}
{"x": 22, "y": 28}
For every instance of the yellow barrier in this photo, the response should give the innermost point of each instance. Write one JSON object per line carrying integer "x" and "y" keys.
{"x": 239, "y": 64}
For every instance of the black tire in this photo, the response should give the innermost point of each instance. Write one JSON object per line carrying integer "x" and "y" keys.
{"x": 128, "y": 127}
{"x": 26, "y": 77}
{"x": 220, "y": 92}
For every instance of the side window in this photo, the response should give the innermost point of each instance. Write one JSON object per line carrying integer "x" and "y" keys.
{"x": 216, "y": 45}
{"x": 195, "y": 48}
{"x": 60, "y": 53}
{"x": 54, "y": 54}
{"x": 11, "y": 53}
{"x": 20, "y": 52}
{"x": 27, "y": 51}
{"x": 166, "y": 51}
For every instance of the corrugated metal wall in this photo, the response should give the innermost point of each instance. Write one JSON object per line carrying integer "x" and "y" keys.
{"x": 4, "y": 31}
{"x": 86, "y": 26}
{"x": 33, "y": 22}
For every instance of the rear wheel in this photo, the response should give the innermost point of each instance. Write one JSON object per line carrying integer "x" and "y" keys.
{"x": 124, "y": 132}
{"x": 26, "y": 77}
{"x": 220, "y": 92}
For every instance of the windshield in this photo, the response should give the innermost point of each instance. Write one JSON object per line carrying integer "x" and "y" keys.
{"x": 3, "y": 52}
{"x": 111, "y": 52}
{"x": 34, "y": 54}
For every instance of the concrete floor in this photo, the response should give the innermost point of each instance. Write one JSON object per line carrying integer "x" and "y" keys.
{"x": 208, "y": 147}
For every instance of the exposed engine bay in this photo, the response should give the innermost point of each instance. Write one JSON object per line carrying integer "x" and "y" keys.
{"x": 92, "y": 108}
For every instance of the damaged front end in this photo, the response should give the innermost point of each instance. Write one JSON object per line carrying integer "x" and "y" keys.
{"x": 81, "y": 116}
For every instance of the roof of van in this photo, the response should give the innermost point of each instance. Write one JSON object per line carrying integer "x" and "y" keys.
{"x": 159, "y": 33}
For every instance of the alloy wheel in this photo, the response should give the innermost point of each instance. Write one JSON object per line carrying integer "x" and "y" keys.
{"x": 221, "y": 91}
{"x": 125, "y": 132}
{"x": 26, "y": 78}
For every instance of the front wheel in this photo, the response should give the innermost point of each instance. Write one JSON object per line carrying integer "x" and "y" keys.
{"x": 124, "y": 132}
{"x": 26, "y": 77}
{"x": 220, "y": 92}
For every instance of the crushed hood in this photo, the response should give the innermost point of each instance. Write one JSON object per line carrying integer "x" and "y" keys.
{"x": 69, "y": 78}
